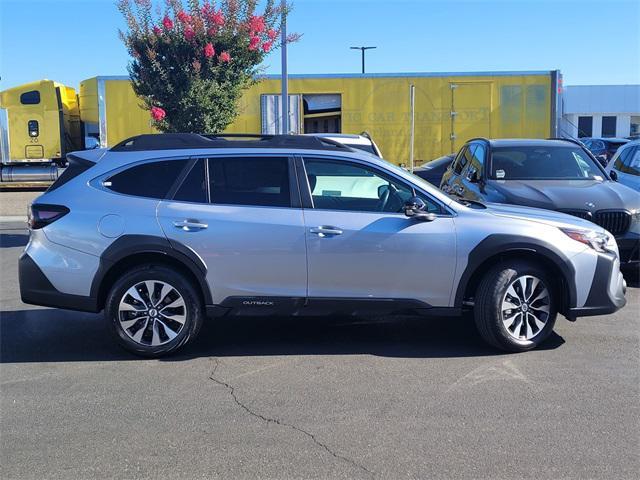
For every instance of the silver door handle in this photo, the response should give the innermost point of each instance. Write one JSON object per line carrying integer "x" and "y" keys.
{"x": 325, "y": 231}
{"x": 190, "y": 225}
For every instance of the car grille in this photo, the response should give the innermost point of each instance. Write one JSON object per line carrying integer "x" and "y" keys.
{"x": 615, "y": 221}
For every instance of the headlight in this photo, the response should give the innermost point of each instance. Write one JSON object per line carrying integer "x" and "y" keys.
{"x": 635, "y": 215}
{"x": 596, "y": 240}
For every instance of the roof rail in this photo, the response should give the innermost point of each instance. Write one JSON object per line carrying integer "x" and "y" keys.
{"x": 482, "y": 139}
{"x": 173, "y": 141}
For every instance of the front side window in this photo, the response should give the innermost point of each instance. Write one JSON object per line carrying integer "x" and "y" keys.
{"x": 151, "y": 179}
{"x": 463, "y": 158}
{"x": 254, "y": 181}
{"x": 477, "y": 162}
{"x": 542, "y": 163}
{"x": 338, "y": 185}
{"x": 632, "y": 162}
{"x": 30, "y": 98}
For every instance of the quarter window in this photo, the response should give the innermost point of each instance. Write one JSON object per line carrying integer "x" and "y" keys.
{"x": 30, "y": 98}
{"x": 194, "y": 186}
{"x": 152, "y": 179}
{"x": 338, "y": 185}
{"x": 260, "y": 181}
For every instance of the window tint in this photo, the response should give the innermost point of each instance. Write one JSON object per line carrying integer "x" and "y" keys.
{"x": 338, "y": 185}
{"x": 477, "y": 162}
{"x": 153, "y": 179}
{"x": 624, "y": 155}
{"x": 530, "y": 163}
{"x": 194, "y": 186}
{"x": 632, "y": 162}
{"x": 463, "y": 158}
{"x": 250, "y": 181}
{"x": 30, "y": 98}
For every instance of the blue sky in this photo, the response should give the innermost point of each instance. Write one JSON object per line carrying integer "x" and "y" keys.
{"x": 590, "y": 42}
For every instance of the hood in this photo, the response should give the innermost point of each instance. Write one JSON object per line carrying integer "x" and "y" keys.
{"x": 548, "y": 217}
{"x": 567, "y": 194}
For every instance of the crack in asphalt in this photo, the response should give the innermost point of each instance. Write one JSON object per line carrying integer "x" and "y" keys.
{"x": 232, "y": 392}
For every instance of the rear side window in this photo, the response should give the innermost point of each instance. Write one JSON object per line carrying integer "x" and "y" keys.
{"x": 250, "y": 181}
{"x": 152, "y": 180}
{"x": 30, "y": 98}
{"x": 194, "y": 186}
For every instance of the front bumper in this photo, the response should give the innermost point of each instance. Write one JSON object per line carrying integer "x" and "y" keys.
{"x": 36, "y": 289}
{"x": 608, "y": 288}
{"x": 629, "y": 246}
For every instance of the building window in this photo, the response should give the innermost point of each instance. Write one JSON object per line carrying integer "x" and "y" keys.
{"x": 585, "y": 127}
{"x": 635, "y": 126}
{"x": 608, "y": 126}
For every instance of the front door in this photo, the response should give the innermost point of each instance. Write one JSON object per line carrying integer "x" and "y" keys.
{"x": 244, "y": 226}
{"x": 361, "y": 245}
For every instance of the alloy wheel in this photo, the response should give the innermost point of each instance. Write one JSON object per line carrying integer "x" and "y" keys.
{"x": 525, "y": 307}
{"x": 152, "y": 313}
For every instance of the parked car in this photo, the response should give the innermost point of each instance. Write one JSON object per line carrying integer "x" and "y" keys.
{"x": 163, "y": 230}
{"x": 433, "y": 171}
{"x": 624, "y": 167}
{"x": 361, "y": 142}
{"x": 552, "y": 174}
{"x": 603, "y": 148}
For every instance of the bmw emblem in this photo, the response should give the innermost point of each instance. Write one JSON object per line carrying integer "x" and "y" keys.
{"x": 590, "y": 205}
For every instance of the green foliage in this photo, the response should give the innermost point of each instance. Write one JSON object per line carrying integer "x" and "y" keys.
{"x": 192, "y": 61}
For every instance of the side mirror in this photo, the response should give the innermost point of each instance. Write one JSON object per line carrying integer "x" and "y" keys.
{"x": 614, "y": 175}
{"x": 415, "y": 208}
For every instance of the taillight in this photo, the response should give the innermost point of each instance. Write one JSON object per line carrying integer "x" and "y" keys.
{"x": 41, "y": 214}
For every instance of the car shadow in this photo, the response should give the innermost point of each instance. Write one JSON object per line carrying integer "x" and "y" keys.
{"x": 632, "y": 275}
{"x": 9, "y": 240}
{"x": 51, "y": 335}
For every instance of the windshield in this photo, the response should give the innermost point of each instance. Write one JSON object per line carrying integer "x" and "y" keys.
{"x": 543, "y": 163}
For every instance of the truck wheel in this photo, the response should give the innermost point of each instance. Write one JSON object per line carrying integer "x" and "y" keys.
{"x": 153, "y": 310}
{"x": 515, "y": 307}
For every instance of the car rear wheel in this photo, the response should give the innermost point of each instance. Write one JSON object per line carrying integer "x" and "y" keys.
{"x": 515, "y": 307}
{"x": 153, "y": 310}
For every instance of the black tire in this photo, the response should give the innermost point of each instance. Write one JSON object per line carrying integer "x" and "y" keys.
{"x": 488, "y": 306}
{"x": 193, "y": 310}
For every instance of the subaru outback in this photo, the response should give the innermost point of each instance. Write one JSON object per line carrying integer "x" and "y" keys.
{"x": 162, "y": 231}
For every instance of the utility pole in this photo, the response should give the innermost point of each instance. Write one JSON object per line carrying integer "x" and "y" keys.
{"x": 412, "y": 128}
{"x": 284, "y": 80}
{"x": 362, "y": 49}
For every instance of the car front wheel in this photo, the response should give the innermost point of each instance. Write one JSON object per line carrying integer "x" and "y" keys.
{"x": 515, "y": 307}
{"x": 153, "y": 310}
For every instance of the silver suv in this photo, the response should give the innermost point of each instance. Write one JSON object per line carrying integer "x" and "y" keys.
{"x": 162, "y": 231}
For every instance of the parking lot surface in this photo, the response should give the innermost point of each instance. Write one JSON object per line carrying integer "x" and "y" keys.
{"x": 314, "y": 398}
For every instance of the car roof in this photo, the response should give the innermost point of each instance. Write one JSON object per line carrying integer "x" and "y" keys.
{"x": 530, "y": 142}
{"x": 348, "y": 138}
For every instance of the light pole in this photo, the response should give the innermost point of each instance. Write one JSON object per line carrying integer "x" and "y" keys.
{"x": 362, "y": 49}
{"x": 284, "y": 79}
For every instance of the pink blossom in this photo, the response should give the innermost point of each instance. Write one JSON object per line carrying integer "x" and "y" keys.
{"x": 272, "y": 34}
{"x": 212, "y": 31}
{"x": 157, "y": 30}
{"x": 256, "y": 24}
{"x": 266, "y": 46}
{"x": 184, "y": 17}
{"x": 225, "y": 57}
{"x": 189, "y": 33}
{"x": 209, "y": 51}
{"x": 167, "y": 22}
{"x": 217, "y": 18}
{"x": 254, "y": 41}
{"x": 158, "y": 113}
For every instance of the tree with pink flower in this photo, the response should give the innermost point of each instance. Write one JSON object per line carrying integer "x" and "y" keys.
{"x": 193, "y": 59}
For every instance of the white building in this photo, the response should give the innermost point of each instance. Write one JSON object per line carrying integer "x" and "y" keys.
{"x": 601, "y": 111}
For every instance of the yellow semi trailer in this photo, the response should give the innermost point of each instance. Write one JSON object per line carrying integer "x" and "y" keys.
{"x": 449, "y": 108}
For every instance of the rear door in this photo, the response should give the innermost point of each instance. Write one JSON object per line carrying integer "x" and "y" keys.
{"x": 242, "y": 216}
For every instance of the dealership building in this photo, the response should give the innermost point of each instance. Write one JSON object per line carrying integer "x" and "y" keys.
{"x": 601, "y": 111}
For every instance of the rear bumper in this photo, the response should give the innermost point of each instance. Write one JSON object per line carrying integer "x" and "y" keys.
{"x": 607, "y": 293}
{"x": 36, "y": 289}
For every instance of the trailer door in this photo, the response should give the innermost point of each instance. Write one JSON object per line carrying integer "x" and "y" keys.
{"x": 470, "y": 112}
{"x": 271, "y": 114}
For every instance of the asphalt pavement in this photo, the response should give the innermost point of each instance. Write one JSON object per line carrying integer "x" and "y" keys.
{"x": 390, "y": 397}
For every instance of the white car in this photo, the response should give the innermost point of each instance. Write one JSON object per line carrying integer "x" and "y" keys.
{"x": 361, "y": 142}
